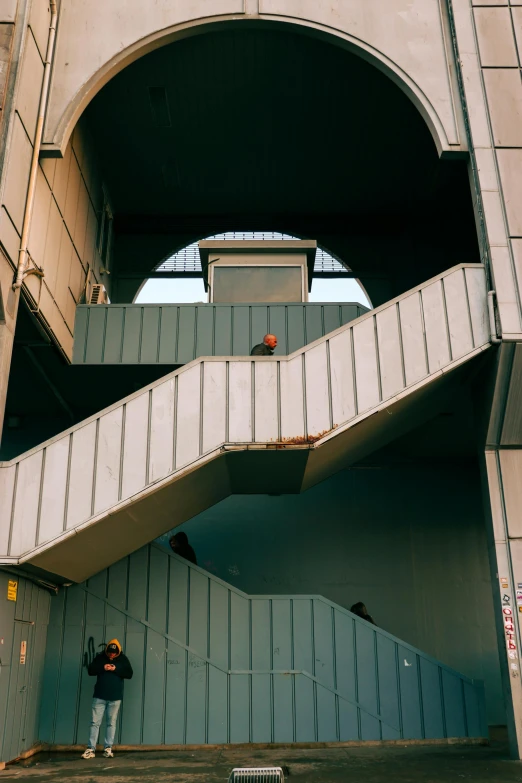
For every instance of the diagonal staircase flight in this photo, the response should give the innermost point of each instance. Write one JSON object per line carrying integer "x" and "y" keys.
{"x": 111, "y": 484}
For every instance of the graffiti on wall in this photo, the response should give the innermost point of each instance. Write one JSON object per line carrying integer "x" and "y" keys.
{"x": 90, "y": 654}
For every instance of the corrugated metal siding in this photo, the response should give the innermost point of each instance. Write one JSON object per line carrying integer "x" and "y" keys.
{"x": 164, "y": 428}
{"x": 213, "y": 665}
{"x": 177, "y": 334}
{"x": 21, "y": 684}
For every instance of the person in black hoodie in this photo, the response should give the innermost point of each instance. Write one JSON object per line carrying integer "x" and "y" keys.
{"x": 179, "y": 544}
{"x": 361, "y": 611}
{"x": 110, "y": 668}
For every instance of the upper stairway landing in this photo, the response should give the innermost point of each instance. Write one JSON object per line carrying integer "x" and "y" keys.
{"x": 174, "y": 334}
{"x": 215, "y": 426}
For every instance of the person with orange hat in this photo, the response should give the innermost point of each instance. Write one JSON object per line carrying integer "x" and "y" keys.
{"x": 110, "y": 668}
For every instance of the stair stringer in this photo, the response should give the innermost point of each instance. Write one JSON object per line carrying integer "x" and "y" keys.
{"x": 214, "y": 665}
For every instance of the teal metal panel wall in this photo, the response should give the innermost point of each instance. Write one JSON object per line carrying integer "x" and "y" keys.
{"x": 213, "y": 665}
{"x": 23, "y": 620}
{"x": 177, "y": 334}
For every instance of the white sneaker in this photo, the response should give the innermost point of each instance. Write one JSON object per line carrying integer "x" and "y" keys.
{"x": 108, "y": 753}
{"x": 88, "y": 754}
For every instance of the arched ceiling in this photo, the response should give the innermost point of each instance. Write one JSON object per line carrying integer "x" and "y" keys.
{"x": 259, "y": 117}
{"x": 256, "y": 129}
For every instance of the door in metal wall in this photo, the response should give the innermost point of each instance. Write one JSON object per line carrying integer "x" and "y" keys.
{"x": 18, "y": 690}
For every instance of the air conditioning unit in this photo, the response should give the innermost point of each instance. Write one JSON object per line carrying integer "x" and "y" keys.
{"x": 98, "y": 294}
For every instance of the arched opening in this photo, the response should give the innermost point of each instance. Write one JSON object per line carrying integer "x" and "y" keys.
{"x": 237, "y": 127}
{"x": 252, "y": 127}
{"x": 244, "y": 129}
{"x": 255, "y": 128}
{"x": 332, "y": 281}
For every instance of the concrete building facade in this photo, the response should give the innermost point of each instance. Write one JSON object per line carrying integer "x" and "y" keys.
{"x": 376, "y": 455}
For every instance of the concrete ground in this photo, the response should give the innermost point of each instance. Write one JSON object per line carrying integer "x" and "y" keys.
{"x": 395, "y": 764}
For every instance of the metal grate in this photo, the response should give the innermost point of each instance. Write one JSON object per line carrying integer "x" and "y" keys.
{"x": 98, "y": 294}
{"x": 188, "y": 260}
{"x": 256, "y": 775}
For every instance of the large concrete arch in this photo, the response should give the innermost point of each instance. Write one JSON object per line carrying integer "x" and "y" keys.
{"x": 79, "y": 75}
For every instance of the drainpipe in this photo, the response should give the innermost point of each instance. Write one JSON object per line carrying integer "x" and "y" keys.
{"x": 492, "y": 320}
{"x": 31, "y": 190}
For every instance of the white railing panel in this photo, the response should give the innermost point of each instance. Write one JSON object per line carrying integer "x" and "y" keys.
{"x": 292, "y": 398}
{"x": 366, "y": 367}
{"x": 459, "y": 321}
{"x": 135, "y": 442}
{"x": 266, "y": 422}
{"x": 240, "y": 402}
{"x": 108, "y": 458}
{"x": 161, "y": 457}
{"x": 54, "y": 490}
{"x": 390, "y": 353}
{"x": 27, "y": 497}
{"x": 188, "y": 415}
{"x": 317, "y": 390}
{"x": 413, "y": 340}
{"x": 342, "y": 378}
{"x": 436, "y": 326}
{"x": 81, "y": 474}
{"x": 214, "y": 404}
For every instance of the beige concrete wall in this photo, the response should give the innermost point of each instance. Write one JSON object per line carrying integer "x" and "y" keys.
{"x": 407, "y": 40}
{"x": 22, "y": 121}
{"x": 6, "y": 39}
{"x": 68, "y": 201}
{"x": 15, "y": 31}
{"x": 7, "y": 19}
{"x": 489, "y": 36}
{"x": 63, "y": 236}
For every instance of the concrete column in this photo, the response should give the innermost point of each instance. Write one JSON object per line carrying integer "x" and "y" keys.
{"x": 489, "y": 58}
{"x": 16, "y": 23}
{"x": 502, "y": 480}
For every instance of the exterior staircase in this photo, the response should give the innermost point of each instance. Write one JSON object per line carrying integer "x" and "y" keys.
{"x": 222, "y": 425}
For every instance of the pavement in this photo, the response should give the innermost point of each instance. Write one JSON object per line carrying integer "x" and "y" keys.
{"x": 382, "y": 764}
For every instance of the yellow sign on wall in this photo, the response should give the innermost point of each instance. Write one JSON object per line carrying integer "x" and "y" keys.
{"x": 12, "y": 589}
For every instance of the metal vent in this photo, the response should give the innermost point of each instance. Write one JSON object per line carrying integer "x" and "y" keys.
{"x": 188, "y": 260}
{"x": 98, "y": 294}
{"x": 256, "y": 775}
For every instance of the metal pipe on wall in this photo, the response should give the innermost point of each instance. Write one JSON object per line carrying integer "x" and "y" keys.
{"x": 31, "y": 190}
